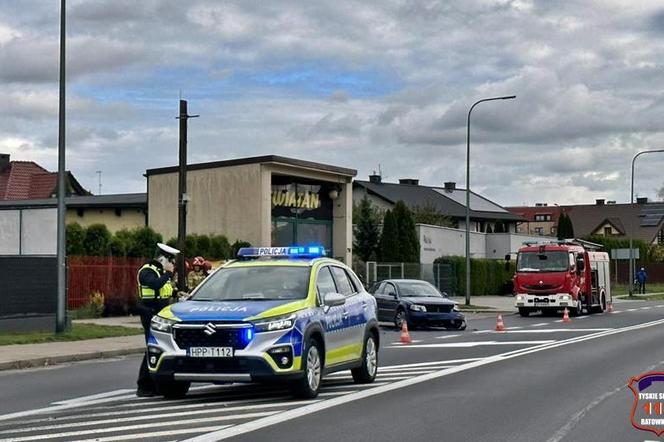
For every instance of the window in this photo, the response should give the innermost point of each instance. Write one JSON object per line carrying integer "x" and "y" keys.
{"x": 378, "y": 288}
{"x": 343, "y": 283}
{"x": 325, "y": 283}
{"x": 390, "y": 289}
{"x": 608, "y": 231}
{"x": 542, "y": 217}
{"x": 660, "y": 237}
{"x": 539, "y": 231}
{"x": 553, "y": 230}
{"x": 255, "y": 283}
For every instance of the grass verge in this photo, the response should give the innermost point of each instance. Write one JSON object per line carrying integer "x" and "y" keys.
{"x": 658, "y": 297}
{"x": 623, "y": 289}
{"x": 78, "y": 332}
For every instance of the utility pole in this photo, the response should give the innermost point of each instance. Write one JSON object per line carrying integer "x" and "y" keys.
{"x": 182, "y": 194}
{"x": 61, "y": 305}
{"x": 99, "y": 173}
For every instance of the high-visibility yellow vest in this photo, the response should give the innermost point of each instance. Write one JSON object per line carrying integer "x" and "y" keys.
{"x": 145, "y": 292}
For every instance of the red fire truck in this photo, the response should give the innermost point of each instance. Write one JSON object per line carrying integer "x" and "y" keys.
{"x": 571, "y": 274}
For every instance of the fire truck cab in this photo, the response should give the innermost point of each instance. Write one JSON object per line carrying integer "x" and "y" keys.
{"x": 570, "y": 274}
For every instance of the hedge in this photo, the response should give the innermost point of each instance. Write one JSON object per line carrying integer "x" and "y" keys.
{"x": 488, "y": 276}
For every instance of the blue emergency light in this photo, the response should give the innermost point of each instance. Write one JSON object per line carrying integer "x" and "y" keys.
{"x": 281, "y": 252}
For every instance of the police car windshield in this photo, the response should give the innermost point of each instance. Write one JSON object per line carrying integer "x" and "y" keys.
{"x": 255, "y": 284}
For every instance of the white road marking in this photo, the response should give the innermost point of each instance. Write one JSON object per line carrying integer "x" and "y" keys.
{"x": 93, "y": 396}
{"x": 646, "y": 308}
{"x": 660, "y": 305}
{"x": 155, "y": 434}
{"x": 559, "y": 320}
{"x": 425, "y": 364}
{"x": 541, "y": 324}
{"x": 475, "y": 344}
{"x": 323, "y": 405}
{"x": 555, "y": 330}
{"x": 401, "y": 343}
{"x": 482, "y": 331}
{"x": 88, "y": 423}
{"x": 513, "y": 328}
{"x": 131, "y": 411}
{"x": 341, "y": 387}
{"x": 631, "y": 309}
{"x": 447, "y": 336}
{"x": 582, "y": 317}
{"x": 398, "y": 370}
{"x": 71, "y": 434}
{"x": 615, "y": 312}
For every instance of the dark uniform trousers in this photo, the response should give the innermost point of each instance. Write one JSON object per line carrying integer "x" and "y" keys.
{"x": 147, "y": 309}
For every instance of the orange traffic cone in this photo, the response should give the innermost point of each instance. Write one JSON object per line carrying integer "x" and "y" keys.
{"x": 405, "y": 336}
{"x": 566, "y": 315}
{"x": 500, "y": 326}
{"x": 610, "y": 307}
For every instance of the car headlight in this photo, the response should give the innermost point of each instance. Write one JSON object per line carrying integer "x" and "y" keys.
{"x": 274, "y": 324}
{"x": 418, "y": 308}
{"x": 565, "y": 297}
{"x": 520, "y": 298}
{"x": 162, "y": 324}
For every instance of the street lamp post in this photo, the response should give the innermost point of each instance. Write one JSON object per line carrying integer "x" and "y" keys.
{"x": 631, "y": 201}
{"x": 507, "y": 97}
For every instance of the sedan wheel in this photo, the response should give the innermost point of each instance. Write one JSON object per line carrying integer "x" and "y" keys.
{"x": 400, "y": 318}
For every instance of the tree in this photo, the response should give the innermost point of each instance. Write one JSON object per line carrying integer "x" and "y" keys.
{"x": 97, "y": 240}
{"x": 565, "y": 227}
{"x": 220, "y": 248}
{"x": 75, "y": 235}
{"x": 389, "y": 239}
{"x": 428, "y": 213}
{"x": 367, "y": 230}
{"x": 409, "y": 243}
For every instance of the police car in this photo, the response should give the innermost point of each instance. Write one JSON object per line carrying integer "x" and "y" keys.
{"x": 276, "y": 314}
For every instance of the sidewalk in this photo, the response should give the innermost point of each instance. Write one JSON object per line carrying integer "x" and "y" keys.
{"x": 50, "y": 353}
{"x": 495, "y": 304}
{"x": 124, "y": 321}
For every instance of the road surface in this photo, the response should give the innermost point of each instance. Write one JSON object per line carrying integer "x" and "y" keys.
{"x": 542, "y": 380}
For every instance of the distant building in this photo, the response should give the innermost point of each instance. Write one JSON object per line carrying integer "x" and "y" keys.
{"x": 26, "y": 180}
{"x": 448, "y": 200}
{"x": 643, "y": 220}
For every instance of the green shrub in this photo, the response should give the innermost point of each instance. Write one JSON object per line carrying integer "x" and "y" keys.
{"x": 220, "y": 248}
{"x": 143, "y": 242}
{"x": 487, "y": 276}
{"x": 237, "y": 245}
{"x": 94, "y": 308}
{"x": 97, "y": 240}
{"x": 75, "y": 240}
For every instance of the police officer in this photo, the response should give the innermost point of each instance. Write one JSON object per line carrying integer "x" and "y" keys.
{"x": 154, "y": 291}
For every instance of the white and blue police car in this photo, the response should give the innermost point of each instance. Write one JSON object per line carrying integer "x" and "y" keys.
{"x": 276, "y": 314}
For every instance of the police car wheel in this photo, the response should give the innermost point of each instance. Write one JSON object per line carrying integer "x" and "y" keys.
{"x": 366, "y": 373}
{"x": 312, "y": 366}
{"x": 173, "y": 389}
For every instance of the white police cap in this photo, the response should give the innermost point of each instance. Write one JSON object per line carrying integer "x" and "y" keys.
{"x": 168, "y": 249}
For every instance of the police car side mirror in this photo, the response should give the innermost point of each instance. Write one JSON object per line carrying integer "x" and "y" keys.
{"x": 334, "y": 299}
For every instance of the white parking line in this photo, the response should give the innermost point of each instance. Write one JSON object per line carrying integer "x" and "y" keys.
{"x": 148, "y": 425}
{"x": 447, "y": 336}
{"x": 476, "y": 344}
{"x": 156, "y": 434}
{"x": 555, "y": 330}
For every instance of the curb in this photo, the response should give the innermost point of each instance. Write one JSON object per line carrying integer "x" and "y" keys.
{"x": 55, "y": 360}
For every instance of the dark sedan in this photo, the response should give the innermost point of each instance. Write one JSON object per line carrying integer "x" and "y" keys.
{"x": 416, "y": 302}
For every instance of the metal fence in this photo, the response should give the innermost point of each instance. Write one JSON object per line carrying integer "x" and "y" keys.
{"x": 441, "y": 275}
{"x": 114, "y": 277}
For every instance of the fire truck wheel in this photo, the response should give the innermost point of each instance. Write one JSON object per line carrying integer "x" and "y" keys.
{"x": 578, "y": 311}
{"x": 524, "y": 312}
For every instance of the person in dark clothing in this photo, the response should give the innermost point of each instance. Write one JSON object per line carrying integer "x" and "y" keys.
{"x": 155, "y": 291}
{"x": 642, "y": 277}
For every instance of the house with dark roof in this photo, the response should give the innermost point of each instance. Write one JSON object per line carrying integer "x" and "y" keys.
{"x": 643, "y": 220}
{"x": 448, "y": 200}
{"x": 27, "y": 180}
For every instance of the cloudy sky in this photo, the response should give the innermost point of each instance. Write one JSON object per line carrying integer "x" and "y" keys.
{"x": 352, "y": 83}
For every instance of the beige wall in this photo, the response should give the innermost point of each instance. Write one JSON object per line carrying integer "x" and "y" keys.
{"x": 236, "y": 201}
{"x": 528, "y": 227}
{"x": 209, "y": 210}
{"x": 128, "y": 219}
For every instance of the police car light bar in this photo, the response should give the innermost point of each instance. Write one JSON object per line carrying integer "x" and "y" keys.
{"x": 285, "y": 252}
